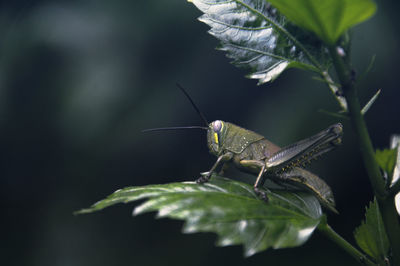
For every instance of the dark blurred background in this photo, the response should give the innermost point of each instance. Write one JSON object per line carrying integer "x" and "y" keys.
{"x": 79, "y": 80}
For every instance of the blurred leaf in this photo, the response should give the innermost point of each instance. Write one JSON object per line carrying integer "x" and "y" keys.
{"x": 258, "y": 38}
{"x": 229, "y": 208}
{"x": 329, "y": 19}
{"x": 387, "y": 161}
{"x": 394, "y": 144}
{"x": 371, "y": 235}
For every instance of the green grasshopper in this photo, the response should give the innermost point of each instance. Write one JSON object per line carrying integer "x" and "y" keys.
{"x": 252, "y": 153}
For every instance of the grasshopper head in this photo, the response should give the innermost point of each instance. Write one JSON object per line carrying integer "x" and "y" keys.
{"x": 215, "y": 136}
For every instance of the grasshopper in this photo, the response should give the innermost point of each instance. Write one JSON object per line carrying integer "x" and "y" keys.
{"x": 253, "y": 153}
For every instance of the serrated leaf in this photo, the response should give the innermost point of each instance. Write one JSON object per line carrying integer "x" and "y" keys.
{"x": 371, "y": 236}
{"x": 230, "y": 209}
{"x": 328, "y": 19}
{"x": 387, "y": 159}
{"x": 258, "y": 38}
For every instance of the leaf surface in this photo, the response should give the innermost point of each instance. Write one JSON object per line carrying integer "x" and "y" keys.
{"x": 230, "y": 209}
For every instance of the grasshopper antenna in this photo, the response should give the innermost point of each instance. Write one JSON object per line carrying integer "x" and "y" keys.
{"x": 193, "y": 104}
{"x": 173, "y": 128}
{"x": 186, "y": 127}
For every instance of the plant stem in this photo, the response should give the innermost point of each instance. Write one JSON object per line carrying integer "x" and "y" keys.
{"x": 325, "y": 229}
{"x": 385, "y": 200}
{"x": 395, "y": 188}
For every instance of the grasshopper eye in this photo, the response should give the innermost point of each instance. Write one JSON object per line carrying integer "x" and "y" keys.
{"x": 217, "y": 125}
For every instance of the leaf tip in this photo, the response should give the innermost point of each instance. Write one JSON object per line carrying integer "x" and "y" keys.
{"x": 249, "y": 252}
{"x": 136, "y": 211}
{"x": 82, "y": 211}
{"x": 270, "y": 74}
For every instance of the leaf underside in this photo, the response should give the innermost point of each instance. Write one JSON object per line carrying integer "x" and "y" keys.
{"x": 258, "y": 38}
{"x": 230, "y": 209}
{"x": 328, "y": 19}
{"x": 370, "y": 235}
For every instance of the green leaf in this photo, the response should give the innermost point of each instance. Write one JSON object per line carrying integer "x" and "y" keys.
{"x": 258, "y": 38}
{"x": 370, "y": 235}
{"x": 387, "y": 159}
{"x": 230, "y": 209}
{"x": 328, "y": 19}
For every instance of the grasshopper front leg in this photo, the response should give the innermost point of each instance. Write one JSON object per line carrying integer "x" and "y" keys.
{"x": 224, "y": 169}
{"x": 221, "y": 159}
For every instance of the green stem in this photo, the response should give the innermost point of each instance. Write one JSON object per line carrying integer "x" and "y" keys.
{"x": 334, "y": 89}
{"x": 385, "y": 200}
{"x": 325, "y": 229}
{"x": 394, "y": 189}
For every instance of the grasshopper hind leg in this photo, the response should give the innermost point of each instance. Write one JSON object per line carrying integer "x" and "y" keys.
{"x": 262, "y": 194}
{"x": 256, "y": 164}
